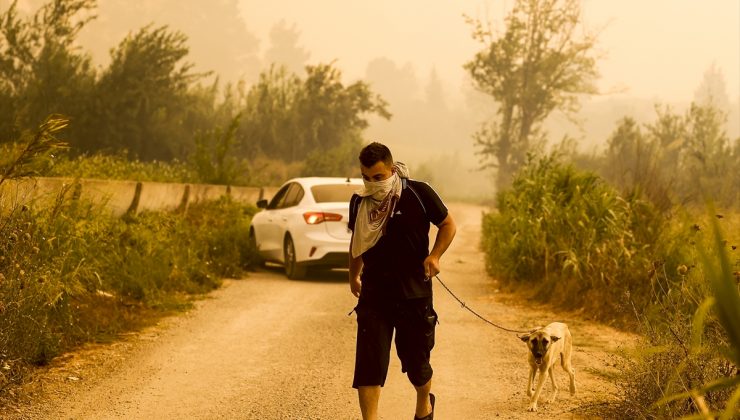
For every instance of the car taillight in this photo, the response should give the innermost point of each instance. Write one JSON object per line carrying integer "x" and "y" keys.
{"x": 316, "y": 217}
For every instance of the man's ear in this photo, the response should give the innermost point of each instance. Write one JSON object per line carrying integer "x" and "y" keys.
{"x": 554, "y": 338}
{"x": 524, "y": 337}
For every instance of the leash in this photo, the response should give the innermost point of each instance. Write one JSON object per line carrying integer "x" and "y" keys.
{"x": 476, "y": 313}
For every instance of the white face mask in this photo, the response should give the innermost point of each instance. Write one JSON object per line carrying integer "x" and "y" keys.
{"x": 379, "y": 189}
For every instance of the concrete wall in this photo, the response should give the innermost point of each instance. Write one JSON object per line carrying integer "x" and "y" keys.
{"x": 123, "y": 196}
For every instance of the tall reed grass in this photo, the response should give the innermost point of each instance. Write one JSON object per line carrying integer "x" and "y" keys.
{"x": 687, "y": 363}
{"x": 579, "y": 244}
{"x": 572, "y": 238}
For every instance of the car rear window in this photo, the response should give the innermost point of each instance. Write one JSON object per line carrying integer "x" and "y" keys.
{"x": 333, "y": 193}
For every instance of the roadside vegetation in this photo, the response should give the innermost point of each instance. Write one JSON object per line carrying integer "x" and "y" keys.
{"x": 623, "y": 234}
{"x": 148, "y": 115}
{"x": 72, "y": 272}
{"x": 626, "y": 237}
{"x": 574, "y": 241}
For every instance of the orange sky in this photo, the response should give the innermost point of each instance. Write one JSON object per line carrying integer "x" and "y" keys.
{"x": 657, "y": 49}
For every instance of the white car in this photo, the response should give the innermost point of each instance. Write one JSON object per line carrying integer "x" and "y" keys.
{"x": 305, "y": 224}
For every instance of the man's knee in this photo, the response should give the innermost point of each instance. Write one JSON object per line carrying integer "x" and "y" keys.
{"x": 420, "y": 375}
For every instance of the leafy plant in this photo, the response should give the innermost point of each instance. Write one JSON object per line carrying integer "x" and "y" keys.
{"x": 36, "y": 152}
{"x": 572, "y": 237}
{"x": 214, "y": 160}
{"x": 725, "y": 301}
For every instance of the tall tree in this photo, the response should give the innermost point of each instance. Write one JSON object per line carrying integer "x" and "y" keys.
{"x": 41, "y": 70}
{"x": 434, "y": 94}
{"x": 142, "y": 98}
{"x": 633, "y": 161}
{"x": 218, "y": 37}
{"x": 713, "y": 91}
{"x": 397, "y": 84}
{"x": 540, "y": 64}
{"x": 284, "y": 49}
{"x": 289, "y": 117}
{"x": 707, "y": 146}
{"x": 668, "y": 133}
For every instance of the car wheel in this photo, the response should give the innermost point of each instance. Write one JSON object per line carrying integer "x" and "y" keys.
{"x": 257, "y": 259}
{"x": 293, "y": 269}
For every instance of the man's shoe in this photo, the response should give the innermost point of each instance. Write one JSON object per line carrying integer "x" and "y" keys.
{"x": 429, "y": 416}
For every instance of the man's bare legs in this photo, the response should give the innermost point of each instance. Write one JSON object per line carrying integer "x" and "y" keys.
{"x": 369, "y": 396}
{"x": 423, "y": 405}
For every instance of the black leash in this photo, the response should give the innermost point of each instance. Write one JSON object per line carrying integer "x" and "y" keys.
{"x": 475, "y": 313}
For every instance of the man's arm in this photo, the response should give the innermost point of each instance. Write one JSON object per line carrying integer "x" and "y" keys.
{"x": 444, "y": 238}
{"x": 355, "y": 268}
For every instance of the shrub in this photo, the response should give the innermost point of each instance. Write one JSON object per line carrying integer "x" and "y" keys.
{"x": 73, "y": 272}
{"x": 683, "y": 337}
{"x": 572, "y": 237}
{"x": 118, "y": 166}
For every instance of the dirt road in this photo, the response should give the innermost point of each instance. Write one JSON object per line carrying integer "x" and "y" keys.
{"x": 266, "y": 347}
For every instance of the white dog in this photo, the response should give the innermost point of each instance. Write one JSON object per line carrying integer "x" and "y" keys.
{"x": 545, "y": 344}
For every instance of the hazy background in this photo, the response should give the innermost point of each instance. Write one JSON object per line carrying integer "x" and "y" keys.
{"x": 412, "y": 53}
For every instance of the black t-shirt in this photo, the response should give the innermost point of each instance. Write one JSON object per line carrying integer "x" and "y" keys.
{"x": 394, "y": 266}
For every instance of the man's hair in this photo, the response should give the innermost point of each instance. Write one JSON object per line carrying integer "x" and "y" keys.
{"x": 374, "y": 153}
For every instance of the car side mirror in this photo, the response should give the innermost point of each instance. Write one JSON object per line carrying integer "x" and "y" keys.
{"x": 262, "y": 204}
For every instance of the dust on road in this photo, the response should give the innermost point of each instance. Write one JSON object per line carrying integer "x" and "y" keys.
{"x": 266, "y": 347}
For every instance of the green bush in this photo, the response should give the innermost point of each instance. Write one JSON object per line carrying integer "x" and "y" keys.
{"x": 73, "y": 272}
{"x": 118, "y": 166}
{"x": 572, "y": 237}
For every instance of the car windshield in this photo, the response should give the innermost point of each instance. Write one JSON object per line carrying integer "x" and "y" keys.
{"x": 333, "y": 193}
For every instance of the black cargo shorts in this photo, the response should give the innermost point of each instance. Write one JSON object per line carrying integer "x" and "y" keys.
{"x": 414, "y": 321}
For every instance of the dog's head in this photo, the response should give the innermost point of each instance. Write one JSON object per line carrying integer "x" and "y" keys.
{"x": 539, "y": 342}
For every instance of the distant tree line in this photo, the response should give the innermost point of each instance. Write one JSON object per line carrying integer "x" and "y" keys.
{"x": 677, "y": 159}
{"x": 150, "y": 104}
{"x": 541, "y": 64}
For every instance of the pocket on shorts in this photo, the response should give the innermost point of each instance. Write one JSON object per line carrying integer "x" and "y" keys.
{"x": 430, "y": 322}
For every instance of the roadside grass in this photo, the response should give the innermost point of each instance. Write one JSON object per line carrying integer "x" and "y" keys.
{"x": 262, "y": 171}
{"x": 77, "y": 274}
{"x": 71, "y": 272}
{"x": 119, "y": 166}
{"x": 577, "y": 243}
{"x": 686, "y": 345}
{"x": 571, "y": 239}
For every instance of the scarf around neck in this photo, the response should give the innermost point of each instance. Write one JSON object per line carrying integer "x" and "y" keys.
{"x": 379, "y": 200}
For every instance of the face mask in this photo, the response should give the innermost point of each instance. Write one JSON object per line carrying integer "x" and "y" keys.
{"x": 379, "y": 189}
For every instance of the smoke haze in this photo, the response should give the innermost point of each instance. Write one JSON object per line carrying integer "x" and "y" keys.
{"x": 412, "y": 53}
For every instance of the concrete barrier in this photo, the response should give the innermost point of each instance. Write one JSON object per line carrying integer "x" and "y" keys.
{"x": 161, "y": 196}
{"x": 124, "y": 196}
{"x": 115, "y": 195}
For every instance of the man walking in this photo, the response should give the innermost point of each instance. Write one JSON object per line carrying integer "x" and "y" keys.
{"x": 390, "y": 271}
